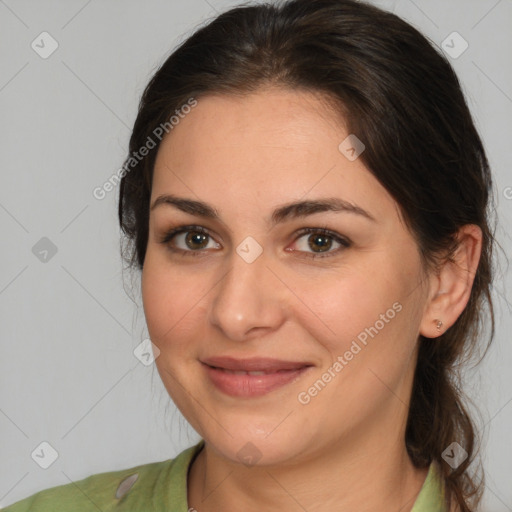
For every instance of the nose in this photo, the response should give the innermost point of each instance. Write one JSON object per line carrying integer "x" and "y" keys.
{"x": 249, "y": 301}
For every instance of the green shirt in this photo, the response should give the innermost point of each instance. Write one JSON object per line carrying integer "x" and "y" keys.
{"x": 160, "y": 487}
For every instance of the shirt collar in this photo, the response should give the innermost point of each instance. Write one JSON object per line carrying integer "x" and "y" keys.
{"x": 430, "y": 497}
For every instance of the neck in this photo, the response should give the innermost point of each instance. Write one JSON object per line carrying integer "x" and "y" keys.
{"x": 368, "y": 474}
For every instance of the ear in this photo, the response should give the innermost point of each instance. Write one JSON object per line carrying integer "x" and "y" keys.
{"x": 450, "y": 287}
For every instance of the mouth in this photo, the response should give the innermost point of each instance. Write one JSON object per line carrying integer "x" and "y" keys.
{"x": 252, "y": 377}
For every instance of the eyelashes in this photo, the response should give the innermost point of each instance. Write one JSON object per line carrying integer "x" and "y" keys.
{"x": 173, "y": 233}
{"x": 321, "y": 238}
{"x": 326, "y": 237}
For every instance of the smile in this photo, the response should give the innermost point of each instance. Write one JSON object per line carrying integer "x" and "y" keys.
{"x": 246, "y": 378}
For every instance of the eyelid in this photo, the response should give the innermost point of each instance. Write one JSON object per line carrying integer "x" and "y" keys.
{"x": 344, "y": 241}
{"x": 170, "y": 234}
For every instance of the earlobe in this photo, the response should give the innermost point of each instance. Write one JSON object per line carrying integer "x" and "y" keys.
{"x": 450, "y": 288}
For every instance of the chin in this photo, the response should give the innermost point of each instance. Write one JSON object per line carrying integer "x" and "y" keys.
{"x": 256, "y": 450}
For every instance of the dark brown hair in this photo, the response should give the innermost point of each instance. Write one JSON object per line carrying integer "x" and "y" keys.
{"x": 401, "y": 97}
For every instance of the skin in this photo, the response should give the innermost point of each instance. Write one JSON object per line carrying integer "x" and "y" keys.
{"x": 246, "y": 156}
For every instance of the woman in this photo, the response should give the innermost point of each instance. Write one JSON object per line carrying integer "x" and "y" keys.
{"x": 306, "y": 198}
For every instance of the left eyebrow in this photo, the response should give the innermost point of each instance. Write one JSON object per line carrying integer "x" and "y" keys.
{"x": 305, "y": 208}
{"x": 288, "y": 211}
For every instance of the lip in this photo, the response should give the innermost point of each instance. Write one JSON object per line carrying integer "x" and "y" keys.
{"x": 254, "y": 364}
{"x": 272, "y": 374}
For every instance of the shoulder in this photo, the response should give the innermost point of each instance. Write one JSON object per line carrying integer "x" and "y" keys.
{"x": 96, "y": 492}
{"x": 145, "y": 487}
{"x": 431, "y": 497}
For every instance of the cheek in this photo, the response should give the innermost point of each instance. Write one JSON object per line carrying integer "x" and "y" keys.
{"x": 175, "y": 299}
{"x": 347, "y": 304}
{"x": 167, "y": 296}
{"x": 367, "y": 317}
{"x": 156, "y": 299}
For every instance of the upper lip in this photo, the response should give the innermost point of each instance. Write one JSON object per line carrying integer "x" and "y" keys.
{"x": 253, "y": 364}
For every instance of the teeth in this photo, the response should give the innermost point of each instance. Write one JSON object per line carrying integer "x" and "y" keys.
{"x": 241, "y": 372}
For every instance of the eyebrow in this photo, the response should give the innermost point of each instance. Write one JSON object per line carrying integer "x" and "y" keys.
{"x": 288, "y": 211}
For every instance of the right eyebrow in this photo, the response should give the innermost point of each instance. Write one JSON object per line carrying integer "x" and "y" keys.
{"x": 196, "y": 208}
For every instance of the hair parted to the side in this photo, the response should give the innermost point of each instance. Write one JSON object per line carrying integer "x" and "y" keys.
{"x": 401, "y": 97}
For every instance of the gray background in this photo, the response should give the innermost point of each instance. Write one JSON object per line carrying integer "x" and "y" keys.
{"x": 68, "y": 375}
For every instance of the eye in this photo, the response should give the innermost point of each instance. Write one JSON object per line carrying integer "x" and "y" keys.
{"x": 189, "y": 240}
{"x": 320, "y": 241}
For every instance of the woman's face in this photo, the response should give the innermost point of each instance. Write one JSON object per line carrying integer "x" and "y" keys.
{"x": 326, "y": 321}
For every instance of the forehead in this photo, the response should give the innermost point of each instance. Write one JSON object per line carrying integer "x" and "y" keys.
{"x": 271, "y": 146}
{"x": 271, "y": 122}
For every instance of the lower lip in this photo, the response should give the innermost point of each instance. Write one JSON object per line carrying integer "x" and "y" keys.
{"x": 248, "y": 386}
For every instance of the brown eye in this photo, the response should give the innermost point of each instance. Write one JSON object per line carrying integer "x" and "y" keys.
{"x": 316, "y": 242}
{"x": 189, "y": 240}
{"x": 196, "y": 240}
{"x": 321, "y": 242}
